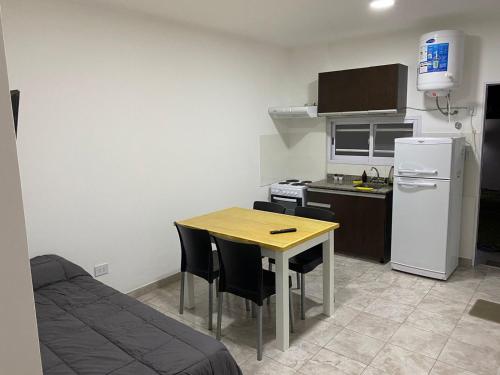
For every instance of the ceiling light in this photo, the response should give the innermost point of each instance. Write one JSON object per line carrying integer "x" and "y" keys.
{"x": 381, "y": 4}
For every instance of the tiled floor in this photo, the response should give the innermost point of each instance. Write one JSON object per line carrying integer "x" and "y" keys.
{"x": 385, "y": 322}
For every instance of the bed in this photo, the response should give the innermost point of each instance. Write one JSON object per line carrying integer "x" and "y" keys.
{"x": 86, "y": 327}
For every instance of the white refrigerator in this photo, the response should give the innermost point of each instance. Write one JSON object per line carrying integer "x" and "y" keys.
{"x": 427, "y": 205}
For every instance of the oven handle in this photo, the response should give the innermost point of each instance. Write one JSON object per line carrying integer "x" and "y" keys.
{"x": 317, "y": 204}
{"x": 292, "y": 200}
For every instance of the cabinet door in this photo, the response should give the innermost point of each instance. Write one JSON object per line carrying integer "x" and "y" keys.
{"x": 363, "y": 223}
{"x": 371, "y": 223}
{"x": 343, "y": 207}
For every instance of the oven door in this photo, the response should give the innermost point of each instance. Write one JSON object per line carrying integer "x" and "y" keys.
{"x": 289, "y": 203}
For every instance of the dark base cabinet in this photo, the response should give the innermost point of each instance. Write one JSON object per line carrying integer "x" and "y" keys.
{"x": 365, "y": 221}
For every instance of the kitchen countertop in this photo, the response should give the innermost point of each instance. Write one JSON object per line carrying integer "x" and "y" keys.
{"x": 329, "y": 185}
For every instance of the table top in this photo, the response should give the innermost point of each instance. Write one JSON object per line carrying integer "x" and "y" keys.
{"x": 254, "y": 226}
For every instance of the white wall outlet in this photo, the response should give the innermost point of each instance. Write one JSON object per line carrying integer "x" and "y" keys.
{"x": 101, "y": 269}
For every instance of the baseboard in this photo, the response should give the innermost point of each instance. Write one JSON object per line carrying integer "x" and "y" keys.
{"x": 465, "y": 262}
{"x": 154, "y": 285}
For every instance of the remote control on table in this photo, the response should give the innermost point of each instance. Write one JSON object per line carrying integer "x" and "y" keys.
{"x": 287, "y": 230}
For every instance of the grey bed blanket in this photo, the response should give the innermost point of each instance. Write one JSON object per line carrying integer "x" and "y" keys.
{"x": 86, "y": 327}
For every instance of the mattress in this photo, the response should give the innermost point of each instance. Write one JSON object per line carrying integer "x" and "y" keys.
{"x": 86, "y": 327}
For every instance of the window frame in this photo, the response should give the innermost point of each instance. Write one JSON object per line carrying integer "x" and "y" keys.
{"x": 372, "y": 121}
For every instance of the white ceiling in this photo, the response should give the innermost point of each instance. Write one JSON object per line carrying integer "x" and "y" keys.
{"x": 300, "y": 22}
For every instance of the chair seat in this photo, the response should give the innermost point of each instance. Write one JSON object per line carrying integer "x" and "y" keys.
{"x": 269, "y": 288}
{"x": 306, "y": 261}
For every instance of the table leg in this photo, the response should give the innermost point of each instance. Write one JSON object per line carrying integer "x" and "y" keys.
{"x": 189, "y": 291}
{"x": 328, "y": 275}
{"x": 282, "y": 308}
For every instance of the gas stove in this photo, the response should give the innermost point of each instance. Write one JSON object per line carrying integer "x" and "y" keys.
{"x": 289, "y": 193}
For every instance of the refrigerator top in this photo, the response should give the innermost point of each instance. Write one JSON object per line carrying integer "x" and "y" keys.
{"x": 426, "y": 140}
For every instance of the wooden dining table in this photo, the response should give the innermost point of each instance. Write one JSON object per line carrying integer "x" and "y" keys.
{"x": 253, "y": 226}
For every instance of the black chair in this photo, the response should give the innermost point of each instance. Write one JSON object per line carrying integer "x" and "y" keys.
{"x": 241, "y": 274}
{"x": 278, "y": 209}
{"x": 199, "y": 259}
{"x": 308, "y": 260}
{"x": 269, "y": 206}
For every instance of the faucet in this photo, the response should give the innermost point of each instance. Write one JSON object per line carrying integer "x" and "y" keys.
{"x": 376, "y": 170}
{"x": 390, "y": 177}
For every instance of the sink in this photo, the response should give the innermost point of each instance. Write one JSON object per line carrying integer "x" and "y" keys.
{"x": 372, "y": 185}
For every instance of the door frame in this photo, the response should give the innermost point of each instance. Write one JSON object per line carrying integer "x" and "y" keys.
{"x": 479, "y": 154}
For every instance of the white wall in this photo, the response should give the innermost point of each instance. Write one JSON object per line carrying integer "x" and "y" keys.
{"x": 481, "y": 65}
{"x": 127, "y": 124}
{"x": 19, "y": 350}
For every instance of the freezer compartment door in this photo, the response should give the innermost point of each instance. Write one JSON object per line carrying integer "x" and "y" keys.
{"x": 420, "y": 225}
{"x": 424, "y": 160}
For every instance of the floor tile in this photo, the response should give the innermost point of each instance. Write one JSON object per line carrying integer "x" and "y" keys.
{"x": 326, "y": 362}
{"x": 265, "y": 367}
{"x": 354, "y": 298}
{"x": 478, "y": 332}
{"x": 355, "y": 346}
{"x": 373, "y": 326}
{"x": 396, "y": 360}
{"x": 374, "y": 371}
{"x": 490, "y": 286}
{"x": 315, "y": 331}
{"x": 441, "y": 368}
{"x": 442, "y": 324}
{"x": 373, "y": 287}
{"x": 472, "y": 358}
{"x": 404, "y": 295}
{"x": 296, "y": 356}
{"x": 389, "y": 310}
{"x": 418, "y": 340}
{"x": 454, "y": 292}
{"x": 342, "y": 314}
{"x": 437, "y": 304}
{"x": 483, "y": 295}
{"x": 240, "y": 352}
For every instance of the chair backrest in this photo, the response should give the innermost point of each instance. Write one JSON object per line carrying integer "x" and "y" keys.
{"x": 196, "y": 249}
{"x": 240, "y": 269}
{"x": 269, "y": 206}
{"x": 315, "y": 213}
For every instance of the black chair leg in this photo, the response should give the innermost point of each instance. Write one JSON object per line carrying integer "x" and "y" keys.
{"x": 290, "y": 307}
{"x": 259, "y": 333}
{"x": 298, "y": 280}
{"x": 181, "y": 305}
{"x": 210, "y": 304}
{"x": 219, "y": 317}
{"x": 302, "y": 296}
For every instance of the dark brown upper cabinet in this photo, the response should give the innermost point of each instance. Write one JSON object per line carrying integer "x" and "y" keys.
{"x": 377, "y": 89}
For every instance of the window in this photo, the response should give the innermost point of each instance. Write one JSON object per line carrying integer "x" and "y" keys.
{"x": 368, "y": 141}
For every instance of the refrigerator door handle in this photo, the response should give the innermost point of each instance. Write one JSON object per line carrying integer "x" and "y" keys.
{"x": 418, "y": 171}
{"x": 417, "y": 184}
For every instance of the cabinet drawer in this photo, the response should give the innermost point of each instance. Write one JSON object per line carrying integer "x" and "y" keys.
{"x": 319, "y": 200}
